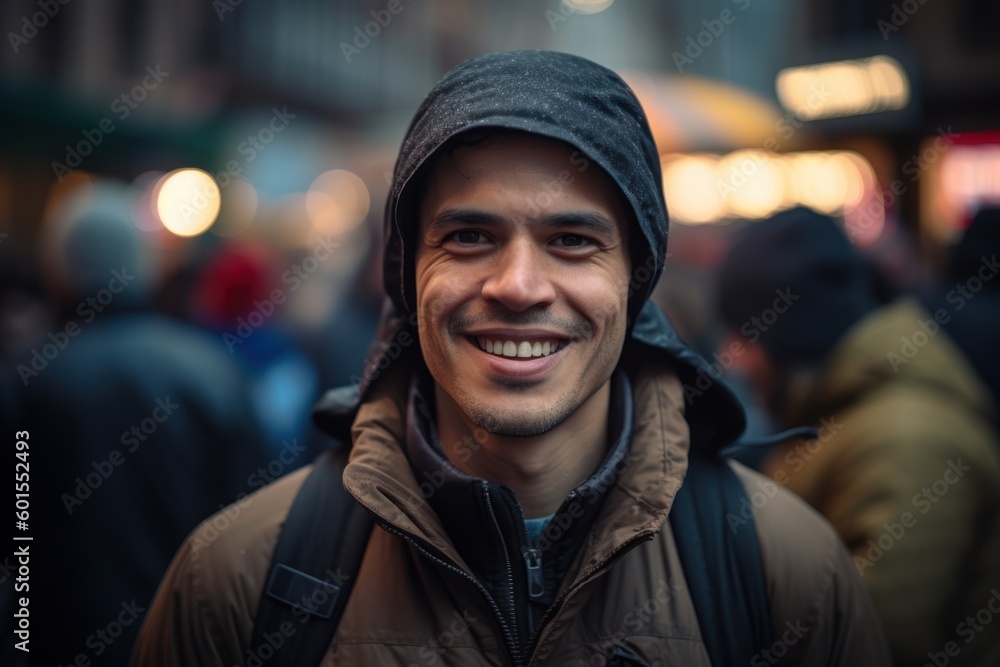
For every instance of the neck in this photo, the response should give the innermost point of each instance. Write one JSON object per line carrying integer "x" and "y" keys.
{"x": 541, "y": 469}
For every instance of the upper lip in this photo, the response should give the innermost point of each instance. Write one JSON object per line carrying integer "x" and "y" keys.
{"x": 517, "y": 334}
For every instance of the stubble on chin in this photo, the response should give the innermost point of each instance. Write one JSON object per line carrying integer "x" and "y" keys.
{"x": 510, "y": 422}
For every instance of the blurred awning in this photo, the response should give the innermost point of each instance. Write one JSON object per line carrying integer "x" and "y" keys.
{"x": 689, "y": 113}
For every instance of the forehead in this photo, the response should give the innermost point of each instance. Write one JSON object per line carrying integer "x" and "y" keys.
{"x": 521, "y": 172}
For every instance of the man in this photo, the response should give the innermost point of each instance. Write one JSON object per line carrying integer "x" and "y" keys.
{"x": 520, "y": 452}
{"x": 906, "y": 467}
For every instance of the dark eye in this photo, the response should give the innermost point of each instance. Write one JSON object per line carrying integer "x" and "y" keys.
{"x": 467, "y": 237}
{"x": 572, "y": 240}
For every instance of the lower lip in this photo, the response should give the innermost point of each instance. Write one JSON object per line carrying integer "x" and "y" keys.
{"x": 518, "y": 367}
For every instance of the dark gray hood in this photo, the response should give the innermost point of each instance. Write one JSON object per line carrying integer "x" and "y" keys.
{"x": 589, "y": 107}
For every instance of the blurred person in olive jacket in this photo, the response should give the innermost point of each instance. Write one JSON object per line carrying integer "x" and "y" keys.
{"x": 906, "y": 467}
{"x": 138, "y": 427}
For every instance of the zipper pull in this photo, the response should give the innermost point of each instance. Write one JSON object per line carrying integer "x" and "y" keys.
{"x": 536, "y": 581}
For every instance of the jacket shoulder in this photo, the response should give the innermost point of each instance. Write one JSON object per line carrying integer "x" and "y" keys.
{"x": 204, "y": 610}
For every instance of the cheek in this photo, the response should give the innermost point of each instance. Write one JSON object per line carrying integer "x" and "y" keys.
{"x": 441, "y": 290}
{"x": 600, "y": 295}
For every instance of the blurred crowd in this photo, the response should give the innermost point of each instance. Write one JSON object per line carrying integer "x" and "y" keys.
{"x": 165, "y": 360}
{"x": 156, "y": 397}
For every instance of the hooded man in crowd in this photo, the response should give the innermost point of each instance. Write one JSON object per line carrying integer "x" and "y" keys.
{"x": 523, "y": 430}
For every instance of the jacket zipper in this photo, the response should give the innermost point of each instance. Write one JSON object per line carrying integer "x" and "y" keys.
{"x": 511, "y": 645}
{"x": 515, "y": 647}
{"x": 536, "y": 580}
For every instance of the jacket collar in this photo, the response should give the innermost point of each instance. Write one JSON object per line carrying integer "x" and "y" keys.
{"x": 634, "y": 506}
{"x": 458, "y": 498}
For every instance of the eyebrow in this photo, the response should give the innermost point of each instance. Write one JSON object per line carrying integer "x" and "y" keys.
{"x": 584, "y": 220}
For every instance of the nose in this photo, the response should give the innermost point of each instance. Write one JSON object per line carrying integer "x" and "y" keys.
{"x": 519, "y": 277}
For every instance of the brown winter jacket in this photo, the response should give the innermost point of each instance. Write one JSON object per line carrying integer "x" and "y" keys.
{"x": 625, "y": 588}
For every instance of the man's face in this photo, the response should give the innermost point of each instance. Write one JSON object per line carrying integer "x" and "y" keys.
{"x": 522, "y": 281}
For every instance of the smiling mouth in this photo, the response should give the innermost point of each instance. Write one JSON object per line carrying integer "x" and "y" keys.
{"x": 524, "y": 349}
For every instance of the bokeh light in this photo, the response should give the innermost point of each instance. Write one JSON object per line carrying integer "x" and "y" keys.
{"x": 188, "y": 201}
{"x": 588, "y": 6}
{"x": 337, "y": 202}
{"x": 844, "y": 88}
{"x": 756, "y": 188}
{"x": 752, "y": 184}
{"x": 691, "y": 183}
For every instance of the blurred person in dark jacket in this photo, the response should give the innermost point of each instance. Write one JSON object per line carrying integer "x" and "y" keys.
{"x": 969, "y": 296}
{"x": 906, "y": 466}
{"x": 139, "y": 426}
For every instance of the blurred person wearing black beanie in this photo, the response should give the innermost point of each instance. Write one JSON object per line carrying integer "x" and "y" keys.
{"x": 906, "y": 467}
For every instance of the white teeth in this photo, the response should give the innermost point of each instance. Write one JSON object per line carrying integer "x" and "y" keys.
{"x": 524, "y": 349}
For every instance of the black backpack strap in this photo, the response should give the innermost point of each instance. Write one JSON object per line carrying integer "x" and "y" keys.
{"x": 722, "y": 563}
{"x": 313, "y": 569}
